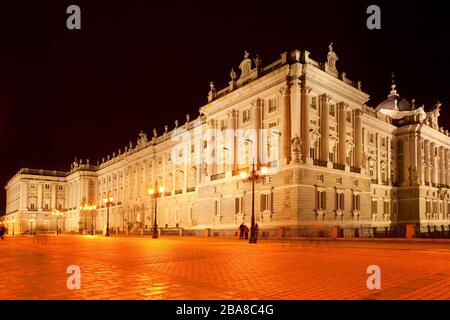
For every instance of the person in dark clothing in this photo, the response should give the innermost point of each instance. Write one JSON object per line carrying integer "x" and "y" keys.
{"x": 2, "y": 232}
{"x": 246, "y": 230}
{"x": 256, "y": 230}
{"x": 241, "y": 231}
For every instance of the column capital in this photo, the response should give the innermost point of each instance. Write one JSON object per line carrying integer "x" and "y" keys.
{"x": 284, "y": 90}
{"x": 325, "y": 97}
{"x": 256, "y": 102}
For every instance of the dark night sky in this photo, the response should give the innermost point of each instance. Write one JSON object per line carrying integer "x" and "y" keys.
{"x": 136, "y": 65}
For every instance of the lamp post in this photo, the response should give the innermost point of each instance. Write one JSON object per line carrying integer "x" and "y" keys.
{"x": 108, "y": 201}
{"x": 156, "y": 193}
{"x": 57, "y": 213}
{"x": 253, "y": 177}
{"x": 14, "y": 224}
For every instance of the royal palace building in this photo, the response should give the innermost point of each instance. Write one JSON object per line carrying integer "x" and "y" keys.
{"x": 332, "y": 160}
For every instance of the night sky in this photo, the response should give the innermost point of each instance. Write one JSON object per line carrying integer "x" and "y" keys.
{"x": 135, "y": 65}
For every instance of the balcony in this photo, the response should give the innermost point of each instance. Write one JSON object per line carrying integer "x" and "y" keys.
{"x": 339, "y": 166}
{"x": 190, "y": 189}
{"x": 385, "y": 183}
{"x": 178, "y": 191}
{"x": 355, "y": 170}
{"x": 374, "y": 181}
{"x": 318, "y": 162}
{"x": 167, "y": 193}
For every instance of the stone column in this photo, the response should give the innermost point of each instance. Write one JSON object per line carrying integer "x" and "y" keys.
{"x": 406, "y": 161}
{"x": 305, "y": 91}
{"x": 388, "y": 164}
{"x": 447, "y": 168}
{"x": 427, "y": 160}
{"x": 324, "y": 127}
{"x": 342, "y": 132}
{"x": 257, "y": 126}
{"x": 296, "y": 109}
{"x": 434, "y": 163}
{"x": 285, "y": 152}
{"x": 232, "y": 125}
{"x": 54, "y": 190}
{"x": 441, "y": 165}
{"x": 414, "y": 159}
{"x": 419, "y": 162}
{"x": 378, "y": 168}
{"x": 359, "y": 141}
{"x": 211, "y": 146}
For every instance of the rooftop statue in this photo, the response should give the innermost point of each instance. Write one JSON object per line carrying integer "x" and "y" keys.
{"x": 246, "y": 65}
{"x": 332, "y": 58}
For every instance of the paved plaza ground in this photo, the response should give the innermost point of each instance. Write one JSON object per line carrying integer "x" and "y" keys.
{"x": 213, "y": 268}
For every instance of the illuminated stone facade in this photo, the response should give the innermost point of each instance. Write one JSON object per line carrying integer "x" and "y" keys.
{"x": 334, "y": 161}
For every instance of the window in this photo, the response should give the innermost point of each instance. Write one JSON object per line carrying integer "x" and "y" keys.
{"x": 320, "y": 177}
{"x": 314, "y": 103}
{"x": 266, "y": 202}
{"x": 312, "y": 153}
{"x": 434, "y": 207}
{"x": 272, "y": 124}
{"x": 321, "y": 200}
{"x": 216, "y": 208}
{"x": 223, "y": 124}
{"x": 374, "y": 206}
{"x": 340, "y": 201}
{"x": 349, "y": 116}
{"x": 47, "y": 187}
{"x": 46, "y": 206}
{"x": 383, "y": 142}
{"x": 33, "y": 186}
{"x": 428, "y": 206}
{"x": 371, "y": 138}
{"x": 339, "y": 180}
{"x": 387, "y": 207}
{"x": 60, "y": 207}
{"x": 32, "y": 207}
{"x": 356, "y": 202}
{"x": 60, "y": 188}
{"x": 331, "y": 156}
{"x": 332, "y": 111}
{"x": 273, "y": 105}
{"x": 246, "y": 115}
{"x": 238, "y": 205}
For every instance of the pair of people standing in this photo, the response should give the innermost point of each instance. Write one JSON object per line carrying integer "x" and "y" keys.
{"x": 244, "y": 230}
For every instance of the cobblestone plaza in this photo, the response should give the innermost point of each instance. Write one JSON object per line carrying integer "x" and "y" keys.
{"x": 221, "y": 268}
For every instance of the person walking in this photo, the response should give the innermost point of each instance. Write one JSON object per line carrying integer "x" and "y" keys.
{"x": 246, "y": 230}
{"x": 241, "y": 231}
{"x": 256, "y": 230}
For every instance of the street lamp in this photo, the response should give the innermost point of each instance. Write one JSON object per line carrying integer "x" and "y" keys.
{"x": 156, "y": 193}
{"x": 57, "y": 213}
{"x": 108, "y": 201}
{"x": 14, "y": 224}
{"x": 253, "y": 177}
